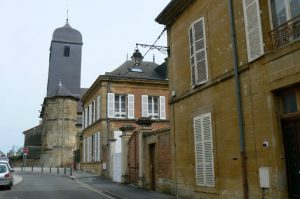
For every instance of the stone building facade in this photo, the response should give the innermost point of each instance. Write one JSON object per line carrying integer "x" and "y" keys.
{"x": 221, "y": 149}
{"x": 116, "y": 99}
{"x": 60, "y": 132}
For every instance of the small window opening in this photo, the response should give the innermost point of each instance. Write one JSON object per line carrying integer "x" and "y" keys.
{"x": 67, "y": 51}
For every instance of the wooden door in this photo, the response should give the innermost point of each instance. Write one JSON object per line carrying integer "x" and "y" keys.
{"x": 152, "y": 166}
{"x": 291, "y": 140}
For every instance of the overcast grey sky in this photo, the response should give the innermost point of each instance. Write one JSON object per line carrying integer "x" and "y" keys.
{"x": 109, "y": 29}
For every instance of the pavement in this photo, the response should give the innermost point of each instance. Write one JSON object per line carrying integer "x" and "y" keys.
{"x": 115, "y": 190}
{"x": 17, "y": 179}
{"x": 100, "y": 184}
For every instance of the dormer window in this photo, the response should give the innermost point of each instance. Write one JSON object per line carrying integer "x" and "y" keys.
{"x": 67, "y": 51}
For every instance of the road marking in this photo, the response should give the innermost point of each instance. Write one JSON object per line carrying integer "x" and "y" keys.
{"x": 94, "y": 189}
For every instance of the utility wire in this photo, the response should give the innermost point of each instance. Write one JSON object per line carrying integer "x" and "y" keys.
{"x": 155, "y": 41}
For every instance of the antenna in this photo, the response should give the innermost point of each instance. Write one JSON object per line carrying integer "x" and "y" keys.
{"x": 127, "y": 57}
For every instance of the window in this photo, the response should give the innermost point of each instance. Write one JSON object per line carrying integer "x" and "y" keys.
{"x": 120, "y": 106}
{"x": 198, "y": 52}
{"x": 283, "y": 11}
{"x": 204, "y": 157}
{"x": 67, "y": 51}
{"x": 154, "y": 107}
{"x": 98, "y": 108}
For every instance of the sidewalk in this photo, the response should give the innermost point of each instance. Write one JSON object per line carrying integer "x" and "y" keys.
{"x": 116, "y": 190}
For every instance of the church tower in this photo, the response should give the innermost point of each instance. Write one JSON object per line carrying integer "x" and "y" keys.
{"x": 65, "y": 60}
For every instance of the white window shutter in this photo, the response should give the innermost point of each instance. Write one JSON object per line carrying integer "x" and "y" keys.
{"x": 110, "y": 105}
{"x": 204, "y": 158}
{"x": 99, "y": 146}
{"x": 85, "y": 117}
{"x": 162, "y": 107}
{"x": 98, "y": 108}
{"x": 94, "y": 110}
{"x": 144, "y": 105}
{"x": 82, "y": 119}
{"x": 130, "y": 106}
{"x": 83, "y": 150}
{"x": 198, "y": 52}
{"x": 253, "y": 29}
{"x": 90, "y": 114}
{"x": 95, "y": 147}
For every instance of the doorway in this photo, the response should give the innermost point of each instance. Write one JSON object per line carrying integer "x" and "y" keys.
{"x": 291, "y": 141}
{"x": 152, "y": 166}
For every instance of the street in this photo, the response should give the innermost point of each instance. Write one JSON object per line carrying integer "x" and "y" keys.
{"x": 49, "y": 186}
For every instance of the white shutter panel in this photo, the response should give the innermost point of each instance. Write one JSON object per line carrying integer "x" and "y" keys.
{"x": 95, "y": 146}
{"x": 85, "y": 118}
{"x": 110, "y": 105}
{"x": 82, "y": 120}
{"x": 90, "y": 148}
{"x": 198, "y": 52}
{"x": 130, "y": 106}
{"x": 90, "y": 114}
{"x": 253, "y": 29}
{"x": 99, "y": 146}
{"x": 94, "y": 111}
{"x": 162, "y": 106}
{"x": 83, "y": 150}
{"x": 144, "y": 105}
{"x": 204, "y": 159}
{"x": 87, "y": 149}
{"x": 98, "y": 108}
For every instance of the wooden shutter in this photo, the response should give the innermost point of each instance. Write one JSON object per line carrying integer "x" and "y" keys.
{"x": 85, "y": 117}
{"x": 110, "y": 105}
{"x": 130, "y": 106}
{"x": 198, "y": 52}
{"x": 162, "y": 107}
{"x": 98, "y": 108}
{"x": 90, "y": 114}
{"x": 83, "y": 150}
{"x": 144, "y": 105}
{"x": 99, "y": 146}
{"x": 253, "y": 29}
{"x": 82, "y": 120}
{"x": 94, "y": 110}
{"x": 95, "y": 147}
{"x": 204, "y": 158}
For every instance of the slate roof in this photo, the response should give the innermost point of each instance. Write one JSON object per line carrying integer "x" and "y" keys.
{"x": 61, "y": 91}
{"x": 67, "y": 34}
{"x": 149, "y": 70}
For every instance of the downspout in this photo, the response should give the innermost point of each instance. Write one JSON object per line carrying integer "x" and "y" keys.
{"x": 238, "y": 98}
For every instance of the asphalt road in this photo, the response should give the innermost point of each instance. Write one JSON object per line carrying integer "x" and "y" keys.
{"x": 47, "y": 186}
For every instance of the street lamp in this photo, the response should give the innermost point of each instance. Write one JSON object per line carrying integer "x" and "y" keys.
{"x": 137, "y": 57}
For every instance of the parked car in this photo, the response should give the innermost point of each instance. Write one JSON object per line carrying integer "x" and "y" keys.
{"x": 6, "y": 177}
{"x": 8, "y": 164}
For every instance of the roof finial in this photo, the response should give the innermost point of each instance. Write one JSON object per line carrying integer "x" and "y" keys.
{"x": 153, "y": 58}
{"x": 59, "y": 83}
{"x": 127, "y": 57}
{"x": 67, "y": 20}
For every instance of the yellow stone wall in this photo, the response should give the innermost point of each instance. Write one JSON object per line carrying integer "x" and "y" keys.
{"x": 259, "y": 81}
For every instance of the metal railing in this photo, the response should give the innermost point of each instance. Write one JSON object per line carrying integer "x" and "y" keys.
{"x": 285, "y": 33}
{"x": 42, "y": 169}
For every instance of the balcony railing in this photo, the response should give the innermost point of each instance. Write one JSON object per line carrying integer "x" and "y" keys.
{"x": 285, "y": 33}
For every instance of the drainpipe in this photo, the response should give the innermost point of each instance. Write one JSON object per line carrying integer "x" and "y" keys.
{"x": 238, "y": 98}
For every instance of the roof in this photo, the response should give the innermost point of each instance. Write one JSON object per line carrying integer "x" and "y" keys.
{"x": 67, "y": 34}
{"x": 147, "y": 70}
{"x": 61, "y": 91}
{"x": 171, "y": 11}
